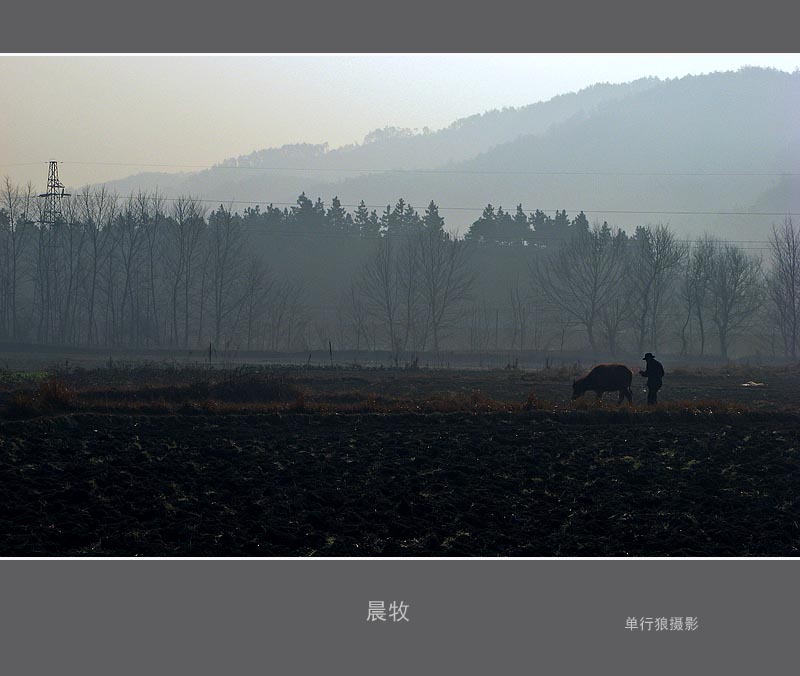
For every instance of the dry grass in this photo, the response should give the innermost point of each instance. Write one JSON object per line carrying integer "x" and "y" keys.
{"x": 52, "y": 396}
{"x": 153, "y": 391}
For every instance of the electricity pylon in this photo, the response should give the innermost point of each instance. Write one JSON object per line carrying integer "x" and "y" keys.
{"x": 51, "y": 214}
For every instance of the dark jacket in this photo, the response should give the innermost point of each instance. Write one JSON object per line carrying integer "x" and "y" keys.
{"x": 654, "y": 372}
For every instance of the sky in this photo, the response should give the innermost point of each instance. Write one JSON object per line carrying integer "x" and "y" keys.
{"x": 109, "y": 116}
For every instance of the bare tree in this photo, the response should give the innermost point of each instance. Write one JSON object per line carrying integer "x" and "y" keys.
{"x": 694, "y": 289}
{"x": 153, "y": 219}
{"x": 415, "y": 323}
{"x": 61, "y": 267}
{"x": 286, "y": 316}
{"x": 15, "y": 231}
{"x": 68, "y": 241}
{"x": 357, "y": 315}
{"x": 131, "y": 236}
{"x": 581, "y": 276}
{"x": 257, "y": 282}
{"x": 616, "y": 312}
{"x": 226, "y": 241}
{"x": 735, "y": 293}
{"x": 655, "y": 255}
{"x": 380, "y": 285}
{"x": 97, "y": 211}
{"x": 520, "y": 315}
{"x": 783, "y": 283}
{"x": 480, "y": 326}
{"x": 446, "y": 280}
{"x": 184, "y": 233}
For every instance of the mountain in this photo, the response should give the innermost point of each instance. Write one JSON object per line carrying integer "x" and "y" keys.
{"x": 637, "y": 155}
{"x": 648, "y": 151}
{"x": 302, "y": 165}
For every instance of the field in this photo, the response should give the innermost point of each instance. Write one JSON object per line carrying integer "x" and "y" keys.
{"x": 154, "y": 460}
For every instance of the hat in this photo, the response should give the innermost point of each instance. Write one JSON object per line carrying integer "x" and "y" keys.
{"x": 649, "y": 355}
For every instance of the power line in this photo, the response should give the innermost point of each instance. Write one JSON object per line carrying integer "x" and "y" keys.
{"x": 323, "y": 234}
{"x": 539, "y": 238}
{"x": 473, "y": 209}
{"x": 631, "y": 212}
{"x": 621, "y": 212}
{"x": 22, "y": 164}
{"x": 520, "y": 172}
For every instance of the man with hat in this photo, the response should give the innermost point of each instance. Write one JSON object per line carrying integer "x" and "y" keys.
{"x": 654, "y": 374}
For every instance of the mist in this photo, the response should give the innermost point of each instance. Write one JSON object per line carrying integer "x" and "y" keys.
{"x": 593, "y": 223}
{"x": 371, "y": 306}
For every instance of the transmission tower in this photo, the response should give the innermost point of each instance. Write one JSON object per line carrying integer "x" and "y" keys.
{"x": 51, "y": 215}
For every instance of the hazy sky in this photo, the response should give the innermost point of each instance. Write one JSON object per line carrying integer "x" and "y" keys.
{"x": 198, "y": 110}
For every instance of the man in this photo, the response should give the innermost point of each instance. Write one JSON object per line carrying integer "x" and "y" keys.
{"x": 654, "y": 374}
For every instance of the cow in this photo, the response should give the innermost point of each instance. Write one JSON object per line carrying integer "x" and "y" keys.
{"x": 605, "y": 378}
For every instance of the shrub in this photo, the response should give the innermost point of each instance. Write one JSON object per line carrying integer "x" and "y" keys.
{"x": 54, "y": 395}
{"x": 51, "y": 396}
{"x": 256, "y": 389}
{"x": 532, "y": 402}
{"x": 22, "y": 405}
{"x": 299, "y": 403}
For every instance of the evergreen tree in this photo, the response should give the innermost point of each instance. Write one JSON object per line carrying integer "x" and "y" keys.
{"x": 397, "y": 218}
{"x": 365, "y": 223}
{"x": 483, "y": 230}
{"x": 318, "y": 215}
{"x": 561, "y": 222}
{"x": 540, "y": 220}
{"x": 373, "y": 225}
{"x": 518, "y": 229}
{"x": 272, "y": 218}
{"x": 543, "y": 231}
{"x": 336, "y": 218}
{"x": 580, "y": 222}
{"x": 432, "y": 220}
{"x": 411, "y": 220}
{"x": 402, "y": 220}
{"x": 503, "y": 227}
{"x": 252, "y": 213}
{"x": 361, "y": 216}
{"x": 303, "y": 214}
{"x": 393, "y": 220}
{"x": 387, "y": 220}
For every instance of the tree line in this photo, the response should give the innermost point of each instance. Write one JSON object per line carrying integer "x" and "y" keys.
{"x": 147, "y": 272}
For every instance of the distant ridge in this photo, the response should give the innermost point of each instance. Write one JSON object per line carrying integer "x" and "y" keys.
{"x": 388, "y": 148}
{"x": 744, "y": 121}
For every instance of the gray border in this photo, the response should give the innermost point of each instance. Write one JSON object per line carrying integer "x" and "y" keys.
{"x": 553, "y": 617}
{"x": 470, "y": 617}
{"x": 407, "y": 26}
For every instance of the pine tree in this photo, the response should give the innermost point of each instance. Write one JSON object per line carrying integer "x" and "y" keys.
{"x": 580, "y": 222}
{"x": 365, "y": 223}
{"x": 483, "y": 230}
{"x": 561, "y": 222}
{"x": 398, "y": 213}
{"x": 503, "y": 227}
{"x": 318, "y": 216}
{"x": 302, "y": 215}
{"x": 411, "y": 220}
{"x": 543, "y": 231}
{"x": 432, "y": 220}
{"x": 521, "y": 230}
{"x": 336, "y": 218}
{"x": 387, "y": 220}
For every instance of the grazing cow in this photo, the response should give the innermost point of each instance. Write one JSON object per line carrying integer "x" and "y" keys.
{"x": 605, "y": 378}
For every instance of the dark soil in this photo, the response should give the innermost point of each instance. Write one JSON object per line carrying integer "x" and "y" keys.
{"x": 457, "y": 484}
